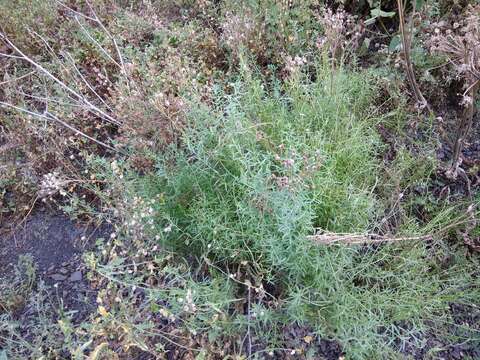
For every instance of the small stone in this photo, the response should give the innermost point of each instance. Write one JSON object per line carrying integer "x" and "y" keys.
{"x": 58, "y": 277}
{"x": 76, "y": 276}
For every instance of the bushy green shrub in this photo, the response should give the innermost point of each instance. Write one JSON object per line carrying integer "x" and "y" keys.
{"x": 257, "y": 172}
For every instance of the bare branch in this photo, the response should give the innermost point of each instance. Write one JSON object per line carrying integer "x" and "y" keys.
{"x": 105, "y": 52}
{"x": 75, "y": 11}
{"x": 79, "y": 96}
{"x": 18, "y": 78}
{"x": 85, "y": 81}
{"x": 99, "y": 22}
{"x": 328, "y": 238}
{"x": 50, "y": 116}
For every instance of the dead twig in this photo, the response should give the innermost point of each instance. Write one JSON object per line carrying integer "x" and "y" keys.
{"x": 323, "y": 237}
{"x": 51, "y": 117}
{"x": 329, "y": 238}
{"x": 82, "y": 99}
{"x": 463, "y": 131}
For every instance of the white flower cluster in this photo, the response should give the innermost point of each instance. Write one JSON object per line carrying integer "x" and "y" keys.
{"x": 51, "y": 184}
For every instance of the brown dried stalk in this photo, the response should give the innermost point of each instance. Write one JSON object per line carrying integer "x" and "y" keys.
{"x": 51, "y": 117}
{"x": 323, "y": 237}
{"x": 80, "y": 98}
{"x": 464, "y": 128}
{"x": 406, "y": 36}
{"x": 328, "y": 238}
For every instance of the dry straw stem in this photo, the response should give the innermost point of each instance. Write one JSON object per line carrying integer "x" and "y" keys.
{"x": 328, "y": 238}
{"x": 406, "y": 36}
{"x": 79, "y": 97}
{"x": 463, "y": 131}
{"x": 323, "y": 237}
{"x": 100, "y": 23}
{"x": 50, "y": 117}
{"x": 75, "y": 95}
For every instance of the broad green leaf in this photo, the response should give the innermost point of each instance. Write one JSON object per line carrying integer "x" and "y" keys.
{"x": 377, "y": 12}
{"x": 419, "y": 4}
{"x": 395, "y": 43}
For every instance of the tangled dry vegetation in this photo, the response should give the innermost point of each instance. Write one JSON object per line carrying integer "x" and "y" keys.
{"x": 271, "y": 186}
{"x": 461, "y": 46}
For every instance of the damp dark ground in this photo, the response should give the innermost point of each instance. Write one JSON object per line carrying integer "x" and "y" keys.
{"x": 455, "y": 340}
{"x": 56, "y": 245}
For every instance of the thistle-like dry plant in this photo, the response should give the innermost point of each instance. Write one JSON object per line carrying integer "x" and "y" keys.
{"x": 342, "y": 34}
{"x": 243, "y": 31}
{"x": 460, "y": 43}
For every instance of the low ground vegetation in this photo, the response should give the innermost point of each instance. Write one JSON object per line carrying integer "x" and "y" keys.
{"x": 271, "y": 186}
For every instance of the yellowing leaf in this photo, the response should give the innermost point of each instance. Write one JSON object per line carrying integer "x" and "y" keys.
{"x": 308, "y": 339}
{"x": 95, "y": 353}
{"x": 102, "y": 311}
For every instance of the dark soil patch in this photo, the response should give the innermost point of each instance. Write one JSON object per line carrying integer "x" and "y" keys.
{"x": 298, "y": 342}
{"x": 308, "y": 345}
{"x": 455, "y": 341}
{"x": 51, "y": 239}
{"x": 469, "y": 183}
{"x": 56, "y": 245}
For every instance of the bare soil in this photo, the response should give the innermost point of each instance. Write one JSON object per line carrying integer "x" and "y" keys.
{"x": 56, "y": 245}
{"x": 463, "y": 341}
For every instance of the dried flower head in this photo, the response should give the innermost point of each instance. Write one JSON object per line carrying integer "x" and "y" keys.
{"x": 341, "y": 33}
{"x": 462, "y": 47}
{"x": 293, "y": 65}
{"x": 242, "y": 30}
{"x": 52, "y": 184}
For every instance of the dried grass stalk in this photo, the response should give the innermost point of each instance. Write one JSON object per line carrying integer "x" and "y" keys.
{"x": 329, "y": 238}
